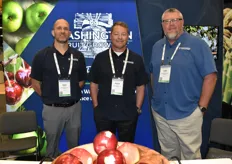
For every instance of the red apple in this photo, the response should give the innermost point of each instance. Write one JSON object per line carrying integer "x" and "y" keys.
{"x": 10, "y": 76}
{"x": 111, "y": 157}
{"x": 13, "y": 92}
{"x": 84, "y": 156}
{"x": 67, "y": 159}
{"x": 23, "y": 77}
{"x": 130, "y": 152}
{"x": 104, "y": 140}
{"x": 27, "y": 66}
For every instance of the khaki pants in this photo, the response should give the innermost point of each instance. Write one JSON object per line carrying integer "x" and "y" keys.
{"x": 182, "y": 137}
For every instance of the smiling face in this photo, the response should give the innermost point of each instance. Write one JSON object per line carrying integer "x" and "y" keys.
{"x": 172, "y": 23}
{"x": 119, "y": 37}
{"x": 61, "y": 31}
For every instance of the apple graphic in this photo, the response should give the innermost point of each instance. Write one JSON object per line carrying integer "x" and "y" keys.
{"x": 21, "y": 44}
{"x": 10, "y": 76}
{"x": 12, "y": 16}
{"x": 36, "y": 14}
{"x": 13, "y": 92}
{"x": 27, "y": 66}
{"x": 15, "y": 64}
{"x": 23, "y": 77}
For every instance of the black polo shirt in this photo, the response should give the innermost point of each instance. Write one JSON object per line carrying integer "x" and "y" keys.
{"x": 116, "y": 107}
{"x": 44, "y": 70}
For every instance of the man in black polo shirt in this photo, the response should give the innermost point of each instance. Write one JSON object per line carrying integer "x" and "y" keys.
{"x": 117, "y": 86}
{"x": 58, "y": 74}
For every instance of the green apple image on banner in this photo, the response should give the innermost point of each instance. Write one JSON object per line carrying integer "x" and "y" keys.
{"x": 15, "y": 64}
{"x": 36, "y": 14}
{"x": 12, "y": 16}
{"x": 21, "y": 44}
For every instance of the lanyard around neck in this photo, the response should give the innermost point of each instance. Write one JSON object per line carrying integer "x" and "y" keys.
{"x": 112, "y": 63}
{"x": 174, "y": 53}
{"x": 57, "y": 65}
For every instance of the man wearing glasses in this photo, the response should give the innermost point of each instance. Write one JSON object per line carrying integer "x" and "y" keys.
{"x": 183, "y": 78}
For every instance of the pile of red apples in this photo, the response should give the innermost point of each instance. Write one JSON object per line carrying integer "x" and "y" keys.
{"x": 107, "y": 151}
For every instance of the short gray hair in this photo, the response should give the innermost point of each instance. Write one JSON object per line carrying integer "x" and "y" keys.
{"x": 171, "y": 10}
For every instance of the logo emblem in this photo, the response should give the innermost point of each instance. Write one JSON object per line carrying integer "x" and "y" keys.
{"x": 91, "y": 33}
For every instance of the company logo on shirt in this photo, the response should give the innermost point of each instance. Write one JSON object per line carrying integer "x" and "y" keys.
{"x": 129, "y": 62}
{"x": 74, "y": 59}
{"x": 184, "y": 48}
{"x": 91, "y": 33}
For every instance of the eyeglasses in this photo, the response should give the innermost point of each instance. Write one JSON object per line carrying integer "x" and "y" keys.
{"x": 168, "y": 21}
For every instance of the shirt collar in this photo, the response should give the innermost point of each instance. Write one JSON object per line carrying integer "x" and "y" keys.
{"x": 123, "y": 54}
{"x": 57, "y": 52}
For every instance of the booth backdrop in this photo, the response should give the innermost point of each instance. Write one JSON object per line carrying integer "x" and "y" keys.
{"x": 97, "y": 16}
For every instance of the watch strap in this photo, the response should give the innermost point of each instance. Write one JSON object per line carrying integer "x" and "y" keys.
{"x": 139, "y": 110}
{"x": 203, "y": 109}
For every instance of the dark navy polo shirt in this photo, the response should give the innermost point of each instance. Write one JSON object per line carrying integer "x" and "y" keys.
{"x": 192, "y": 62}
{"x": 116, "y": 107}
{"x": 44, "y": 70}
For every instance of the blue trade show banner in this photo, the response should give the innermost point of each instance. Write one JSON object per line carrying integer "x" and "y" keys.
{"x": 90, "y": 24}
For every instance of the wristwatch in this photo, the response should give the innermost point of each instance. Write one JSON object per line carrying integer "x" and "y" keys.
{"x": 139, "y": 110}
{"x": 203, "y": 109}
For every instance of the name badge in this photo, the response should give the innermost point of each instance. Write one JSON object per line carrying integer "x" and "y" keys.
{"x": 165, "y": 72}
{"x": 117, "y": 86}
{"x": 64, "y": 88}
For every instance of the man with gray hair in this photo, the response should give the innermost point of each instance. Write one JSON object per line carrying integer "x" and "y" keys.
{"x": 183, "y": 77}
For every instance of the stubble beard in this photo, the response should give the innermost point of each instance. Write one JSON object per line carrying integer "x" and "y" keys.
{"x": 62, "y": 41}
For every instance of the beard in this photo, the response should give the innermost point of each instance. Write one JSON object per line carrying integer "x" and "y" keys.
{"x": 172, "y": 36}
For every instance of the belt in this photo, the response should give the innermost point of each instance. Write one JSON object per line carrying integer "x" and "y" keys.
{"x": 63, "y": 104}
